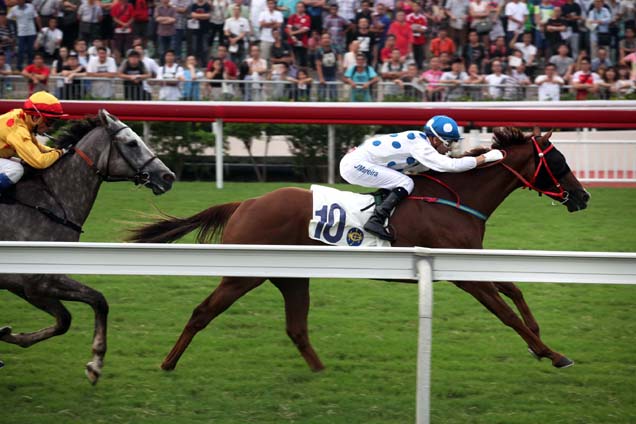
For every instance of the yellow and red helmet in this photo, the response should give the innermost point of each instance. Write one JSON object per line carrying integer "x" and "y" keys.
{"x": 44, "y": 104}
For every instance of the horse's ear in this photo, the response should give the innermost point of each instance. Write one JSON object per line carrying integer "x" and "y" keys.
{"x": 546, "y": 137}
{"x": 107, "y": 120}
{"x": 103, "y": 117}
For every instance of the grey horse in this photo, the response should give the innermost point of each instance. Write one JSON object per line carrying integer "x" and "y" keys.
{"x": 54, "y": 204}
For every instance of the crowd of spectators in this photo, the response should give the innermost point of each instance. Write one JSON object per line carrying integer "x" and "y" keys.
{"x": 303, "y": 49}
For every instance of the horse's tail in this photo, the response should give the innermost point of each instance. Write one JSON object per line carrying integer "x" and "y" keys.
{"x": 167, "y": 229}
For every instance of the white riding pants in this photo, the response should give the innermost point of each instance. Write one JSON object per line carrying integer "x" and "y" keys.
{"x": 12, "y": 168}
{"x": 356, "y": 169}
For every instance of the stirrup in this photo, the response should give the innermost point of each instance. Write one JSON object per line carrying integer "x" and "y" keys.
{"x": 378, "y": 231}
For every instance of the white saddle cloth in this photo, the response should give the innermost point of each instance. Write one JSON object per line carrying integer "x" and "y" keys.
{"x": 338, "y": 218}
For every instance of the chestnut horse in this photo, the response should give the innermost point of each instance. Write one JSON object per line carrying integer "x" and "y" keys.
{"x": 282, "y": 217}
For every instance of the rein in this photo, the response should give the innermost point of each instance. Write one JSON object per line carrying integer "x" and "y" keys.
{"x": 543, "y": 163}
{"x": 457, "y": 204}
{"x": 140, "y": 177}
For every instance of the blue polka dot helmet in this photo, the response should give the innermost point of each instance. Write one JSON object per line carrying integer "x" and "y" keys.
{"x": 443, "y": 127}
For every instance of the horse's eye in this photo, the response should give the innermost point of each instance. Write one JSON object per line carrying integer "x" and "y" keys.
{"x": 132, "y": 143}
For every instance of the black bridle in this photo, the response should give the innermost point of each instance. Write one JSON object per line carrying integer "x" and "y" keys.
{"x": 140, "y": 177}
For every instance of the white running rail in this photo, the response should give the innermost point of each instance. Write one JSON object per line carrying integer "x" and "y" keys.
{"x": 425, "y": 265}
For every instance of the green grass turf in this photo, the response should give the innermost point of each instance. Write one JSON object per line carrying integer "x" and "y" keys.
{"x": 244, "y": 369}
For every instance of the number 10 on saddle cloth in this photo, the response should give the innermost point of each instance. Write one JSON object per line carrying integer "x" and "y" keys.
{"x": 338, "y": 218}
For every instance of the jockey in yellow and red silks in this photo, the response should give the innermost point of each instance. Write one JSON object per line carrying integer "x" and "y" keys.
{"x": 18, "y": 128}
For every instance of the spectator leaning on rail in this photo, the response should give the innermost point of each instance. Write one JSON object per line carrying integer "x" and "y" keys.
{"x": 361, "y": 77}
{"x": 17, "y": 135}
{"x": 380, "y": 162}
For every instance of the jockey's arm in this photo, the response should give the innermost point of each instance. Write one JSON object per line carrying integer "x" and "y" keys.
{"x": 29, "y": 151}
{"x": 426, "y": 154}
{"x": 44, "y": 148}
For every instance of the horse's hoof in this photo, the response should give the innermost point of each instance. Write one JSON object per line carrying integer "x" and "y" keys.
{"x": 563, "y": 363}
{"x": 1, "y": 364}
{"x": 93, "y": 372}
{"x": 4, "y": 331}
{"x": 167, "y": 366}
{"x": 534, "y": 355}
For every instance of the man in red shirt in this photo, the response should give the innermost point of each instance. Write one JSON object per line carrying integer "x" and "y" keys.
{"x": 298, "y": 27}
{"x": 403, "y": 34}
{"x": 418, "y": 24}
{"x": 389, "y": 45}
{"x": 122, "y": 14}
{"x": 584, "y": 81}
{"x": 231, "y": 70}
{"x": 37, "y": 74}
{"x": 442, "y": 44}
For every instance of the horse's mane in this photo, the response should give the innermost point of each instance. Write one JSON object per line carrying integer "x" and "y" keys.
{"x": 75, "y": 132}
{"x": 508, "y": 136}
{"x": 502, "y": 137}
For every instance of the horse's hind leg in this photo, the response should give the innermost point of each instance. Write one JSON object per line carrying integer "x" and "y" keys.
{"x": 296, "y": 295}
{"x": 230, "y": 289}
{"x": 488, "y": 295}
{"x": 65, "y": 288}
{"x": 515, "y": 294}
{"x": 51, "y": 306}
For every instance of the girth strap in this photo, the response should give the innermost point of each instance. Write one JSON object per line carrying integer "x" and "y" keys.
{"x": 456, "y": 204}
{"x": 53, "y": 217}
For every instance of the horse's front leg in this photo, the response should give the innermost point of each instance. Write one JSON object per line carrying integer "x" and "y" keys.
{"x": 488, "y": 295}
{"x": 63, "y": 287}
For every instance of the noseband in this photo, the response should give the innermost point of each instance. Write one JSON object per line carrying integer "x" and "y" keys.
{"x": 543, "y": 164}
{"x": 140, "y": 177}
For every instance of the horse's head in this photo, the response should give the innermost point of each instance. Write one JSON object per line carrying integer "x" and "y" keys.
{"x": 128, "y": 158}
{"x": 550, "y": 173}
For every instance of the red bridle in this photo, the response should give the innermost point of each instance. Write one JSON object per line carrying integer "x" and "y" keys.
{"x": 561, "y": 194}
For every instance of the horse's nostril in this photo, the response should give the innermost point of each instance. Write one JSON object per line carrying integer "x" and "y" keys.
{"x": 168, "y": 177}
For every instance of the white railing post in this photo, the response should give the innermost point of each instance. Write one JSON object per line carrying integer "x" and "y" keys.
{"x": 146, "y": 131}
{"x": 331, "y": 153}
{"x": 586, "y": 160}
{"x": 423, "y": 402}
{"x": 217, "y": 127}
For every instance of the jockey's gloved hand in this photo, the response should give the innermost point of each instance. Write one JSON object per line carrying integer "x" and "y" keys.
{"x": 493, "y": 155}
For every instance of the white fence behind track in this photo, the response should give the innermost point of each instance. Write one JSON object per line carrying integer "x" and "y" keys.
{"x": 594, "y": 156}
{"x": 413, "y": 263}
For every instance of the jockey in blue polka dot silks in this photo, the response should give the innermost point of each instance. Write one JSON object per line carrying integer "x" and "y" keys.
{"x": 381, "y": 161}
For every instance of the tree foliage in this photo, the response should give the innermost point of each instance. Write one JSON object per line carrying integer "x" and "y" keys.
{"x": 176, "y": 141}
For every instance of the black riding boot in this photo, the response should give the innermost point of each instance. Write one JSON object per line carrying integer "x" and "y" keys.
{"x": 375, "y": 224}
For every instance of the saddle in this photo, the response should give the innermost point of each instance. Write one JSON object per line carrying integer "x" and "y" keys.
{"x": 55, "y": 214}
{"x": 378, "y": 197}
{"x": 9, "y": 196}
